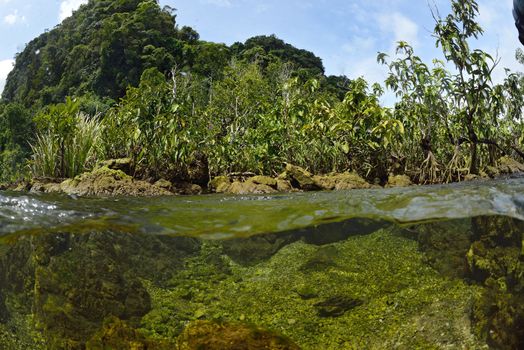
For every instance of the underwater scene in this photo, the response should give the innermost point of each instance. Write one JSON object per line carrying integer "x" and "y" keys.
{"x": 433, "y": 267}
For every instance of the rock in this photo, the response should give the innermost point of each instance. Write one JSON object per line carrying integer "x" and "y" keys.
{"x": 249, "y": 188}
{"x": 492, "y": 171}
{"x": 336, "y": 306}
{"x": 69, "y": 284}
{"x": 3, "y": 186}
{"x": 109, "y": 182}
{"x": 343, "y": 181}
{"x": 263, "y": 180}
{"x": 471, "y": 177}
{"x": 301, "y": 178}
{"x": 123, "y": 164}
{"x": 219, "y": 336}
{"x": 284, "y": 186}
{"x": 45, "y": 187}
{"x": 117, "y": 334}
{"x": 399, "y": 181}
{"x": 162, "y": 183}
{"x": 284, "y": 176}
{"x": 219, "y": 184}
{"x": 507, "y": 165}
{"x": 189, "y": 189}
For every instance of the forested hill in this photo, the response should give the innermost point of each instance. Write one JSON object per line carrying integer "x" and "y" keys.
{"x": 104, "y": 47}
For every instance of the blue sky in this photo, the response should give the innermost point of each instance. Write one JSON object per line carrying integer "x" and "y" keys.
{"x": 346, "y": 34}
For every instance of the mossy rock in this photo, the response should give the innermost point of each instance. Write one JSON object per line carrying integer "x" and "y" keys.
{"x": 263, "y": 180}
{"x": 219, "y": 184}
{"x": 233, "y": 336}
{"x": 342, "y": 181}
{"x": 249, "y": 187}
{"x": 284, "y": 186}
{"x": 492, "y": 171}
{"x": 117, "y": 334}
{"x": 507, "y": 165}
{"x": 301, "y": 178}
{"x": 104, "y": 181}
{"x": 399, "y": 181}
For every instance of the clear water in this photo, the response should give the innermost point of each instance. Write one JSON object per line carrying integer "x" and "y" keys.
{"x": 435, "y": 267}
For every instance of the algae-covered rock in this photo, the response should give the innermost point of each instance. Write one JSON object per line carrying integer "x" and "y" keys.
{"x": 336, "y": 306}
{"x": 399, "y": 181}
{"x": 342, "y": 181}
{"x": 234, "y": 336}
{"x": 117, "y": 334}
{"x": 507, "y": 165}
{"x": 219, "y": 184}
{"x": 301, "y": 178}
{"x": 165, "y": 184}
{"x": 263, "y": 180}
{"x": 249, "y": 187}
{"x": 495, "y": 260}
{"x": 284, "y": 186}
{"x": 492, "y": 171}
{"x": 109, "y": 182}
{"x": 68, "y": 284}
{"x": 445, "y": 245}
{"x": 185, "y": 188}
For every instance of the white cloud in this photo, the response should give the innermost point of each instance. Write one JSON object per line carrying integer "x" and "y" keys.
{"x": 5, "y": 67}
{"x": 68, "y": 6}
{"x": 14, "y": 18}
{"x": 403, "y": 28}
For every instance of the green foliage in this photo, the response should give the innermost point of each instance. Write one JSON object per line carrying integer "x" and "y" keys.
{"x": 67, "y": 141}
{"x": 102, "y": 49}
{"x": 154, "y": 125}
{"x": 191, "y": 109}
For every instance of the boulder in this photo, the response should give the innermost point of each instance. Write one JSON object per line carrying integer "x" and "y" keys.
{"x": 343, "y": 181}
{"x": 109, "y": 182}
{"x": 185, "y": 188}
{"x": 284, "y": 186}
{"x": 301, "y": 178}
{"x": 263, "y": 180}
{"x": 218, "y": 336}
{"x": 507, "y": 165}
{"x": 492, "y": 171}
{"x": 249, "y": 188}
{"x": 219, "y": 184}
{"x": 399, "y": 181}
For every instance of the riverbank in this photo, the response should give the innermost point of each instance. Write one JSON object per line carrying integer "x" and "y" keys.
{"x": 114, "y": 178}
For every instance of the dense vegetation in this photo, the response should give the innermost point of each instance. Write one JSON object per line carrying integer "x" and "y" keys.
{"x": 121, "y": 79}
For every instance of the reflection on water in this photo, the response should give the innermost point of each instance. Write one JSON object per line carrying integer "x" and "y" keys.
{"x": 331, "y": 271}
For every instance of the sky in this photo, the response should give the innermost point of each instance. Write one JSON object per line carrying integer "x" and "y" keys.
{"x": 346, "y": 34}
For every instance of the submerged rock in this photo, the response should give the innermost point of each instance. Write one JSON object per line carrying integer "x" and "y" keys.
{"x": 336, "y": 306}
{"x": 68, "y": 284}
{"x": 233, "y": 336}
{"x": 117, "y": 334}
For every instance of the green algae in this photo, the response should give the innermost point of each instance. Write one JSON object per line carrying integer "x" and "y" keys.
{"x": 402, "y": 302}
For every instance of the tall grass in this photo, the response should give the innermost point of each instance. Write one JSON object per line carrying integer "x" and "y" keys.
{"x": 58, "y": 156}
